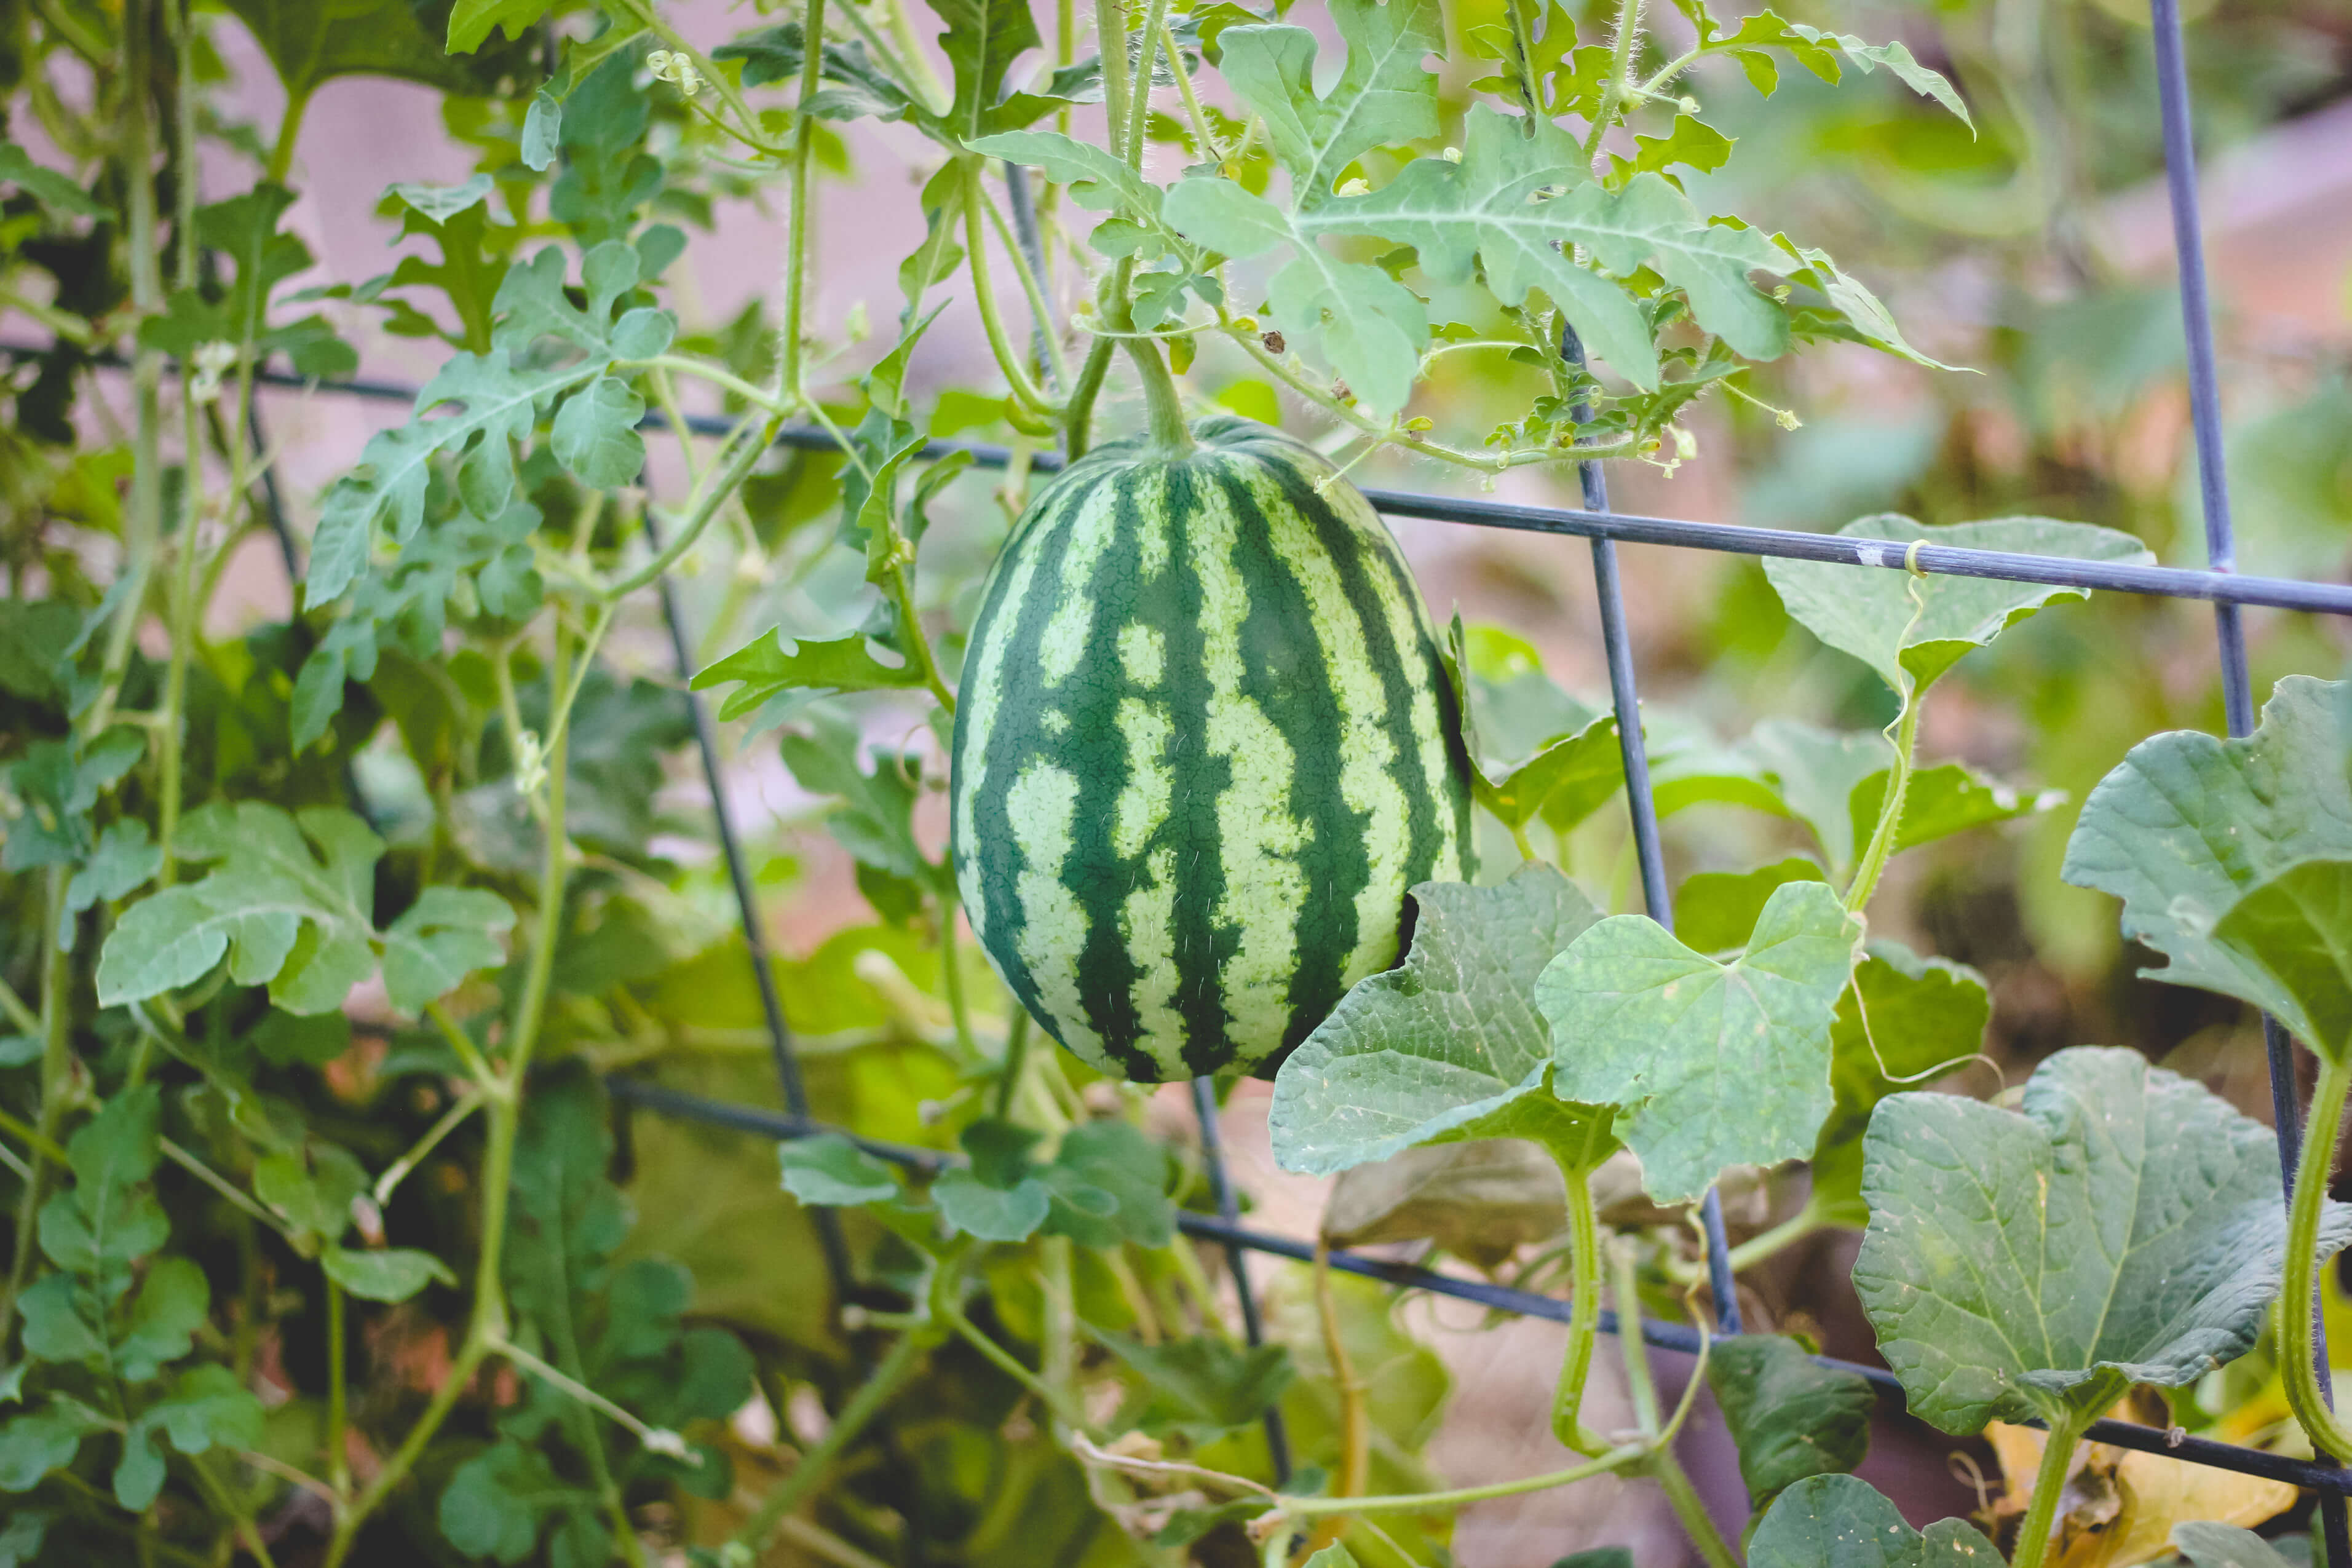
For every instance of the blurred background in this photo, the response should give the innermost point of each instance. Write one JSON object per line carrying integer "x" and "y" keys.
{"x": 2035, "y": 253}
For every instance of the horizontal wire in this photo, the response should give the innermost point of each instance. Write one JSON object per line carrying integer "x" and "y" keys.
{"x": 1943, "y": 560}
{"x": 1676, "y": 1337}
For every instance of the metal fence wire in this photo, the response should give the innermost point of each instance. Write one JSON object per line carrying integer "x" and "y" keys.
{"x": 2218, "y": 583}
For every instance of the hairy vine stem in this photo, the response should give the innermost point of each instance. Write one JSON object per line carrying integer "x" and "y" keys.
{"x": 2298, "y": 1338}
{"x": 1883, "y": 838}
{"x": 2049, "y": 1485}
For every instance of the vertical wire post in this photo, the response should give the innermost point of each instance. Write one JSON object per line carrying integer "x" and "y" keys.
{"x": 1221, "y": 1187}
{"x": 747, "y": 908}
{"x": 1639, "y": 803}
{"x": 2221, "y": 555}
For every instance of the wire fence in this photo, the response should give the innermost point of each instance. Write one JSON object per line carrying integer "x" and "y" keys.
{"x": 2220, "y": 584}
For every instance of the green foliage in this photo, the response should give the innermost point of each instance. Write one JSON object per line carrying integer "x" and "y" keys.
{"x": 1710, "y": 1064}
{"x": 2188, "y": 830}
{"x": 1908, "y": 640}
{"x": 1837, "y": 1522}
{"x": 297, "y": 921}
{"x": 1448, "y": 1044}
{"x": 2148, "y": 1253}
{"x": 1791, "y": 1418}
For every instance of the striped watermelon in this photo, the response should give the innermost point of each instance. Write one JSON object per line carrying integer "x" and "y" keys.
{"x": 1204, "y": 744}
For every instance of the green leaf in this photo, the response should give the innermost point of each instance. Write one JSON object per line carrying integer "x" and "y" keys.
{"x": 1335, "y": 1555}
{"x": 2187, "y": 825}
{"x": 207, "y": 1409}
{"x": 830, "y": 1170}
{"x": 54, "y": 191}
{"x": 1647, "y": 222}
{"x": 1386, "y": 95}
{"x": 1871, "y": 614}
{"x": 1790, "y": 1416}
{"x": 55, "y": 1328}
{"x": 595, "y": 434}
{"x": 110, "y": 1219}
{"x": 171, "y": 1307}
{"x": 1120, "y": 1160}
{"x": 499, "y": 403}
{"x": 2210, "y": 1545}
{"x": 1943, "y": 800}
{"x": 1097, "y": 181}
{"x": 281, "y": 916}
{"x": 1715, "y": 911}
{"x": 33, "y": 1446}
{"x": 2297, "y": 929}
{"x": 875, "y": 821}
{"x": 1899, "y": 61}
{"x": 310, "y": 44}
{"x": 982, "y": 39}
{"x": 1817, "y": 771}
{"x": 1203, "y": 1386}
{"x": 2126, "y": 1228}
{"x": 1710, "y": 1064}
{"x": 1485, "y": 208}
{"x": 1838, "y": 1521}
{"x": 58, "y": 783}
{"x": 496, "y": 1501}
{"x": 542, "y": 131}
{"x": 1448, "y": 1044}
{"x": 992, "y": 1213}
{"x": 766, "y": 670}
{"x": 391, "y": 1274}
{"x": 445, "y": 935}
{"x": 1904, "y": 1020}
{"x": 1369, "y": 327}
{"x": 20, "y": 1538}
{"x": 852, "y": 87}
{"x": 1689, "y": 142}
{"x": 567, "y": 1218}
{"x": 471, "y": 21}
{"x": 120, "y": 864}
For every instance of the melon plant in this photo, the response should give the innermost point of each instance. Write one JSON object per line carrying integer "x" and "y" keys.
{"x": 336, "y": 948}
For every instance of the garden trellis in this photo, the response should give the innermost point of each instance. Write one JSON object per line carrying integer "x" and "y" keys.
{"x": 1604, "y": 529}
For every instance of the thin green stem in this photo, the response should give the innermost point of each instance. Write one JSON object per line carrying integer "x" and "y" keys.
{"x": 877, "y": 1390}
{"x": 1077, "y": 419}
{"x": 339, "y": 1462}
{"x": 238, "y": 1199}
{"x": 1008, "y": 1364}
{"x": 403, "y": 1458}
{"x": 951, "y": 977}
{"x": 1616, "y": 1458}
{"x": 1612, "y": 95}
{"x": 1110, "y": 45}
{"x": 1032, "y": 289}
{"x": 716, "y": 376}
{"x": 1193, "y": 112}
{"x": 226, "y": 1504}
{"x": 572, "y": 1387}
{"x": 744, "y": 456}
{"x": 2298, "y": 1336}
{"x": 983, "y": 293}
{"x": 1523, "y": 44}
{"x": 56, "y": 1067}
{"x": 1690, "y": 1508}
{"x": 1883, "y": 838}
{"x": 911, "y": 49}
{"x": 1583, "y": 1307}
{"x": 143, "y": 519}
{"x": 290, "y": 130}
{"x": 1779, "y": 1239}
{"x": 181, "y": 605}
{"x": 2049, "y": 1487}
{"x": 796, "y": 255}
{"x": 465, "y": 1105}
{"x": 462, "y": 1044}
{"x": 27, "y": 1022}
{"x": 1016, "y": 1057}
{"x": 1624, "y": 1288}
{"x": 1139, "y": 103}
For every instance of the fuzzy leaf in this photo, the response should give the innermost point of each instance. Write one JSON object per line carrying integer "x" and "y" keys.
{"x": 1838, "y": 1521}
{"x": 1790, "y": 1416}
{"x": 1870, "y": 614}
{"x": 1448, "y": 1044}
{"x": 1484, "y": 208}
{"x": 2187, "y": 825}
{"x": 595, "y": 434}
{"x": 1369, "y": 327}
{"x": 2125, "y": 1228}
{"x": 2208, "y": 1544}
{"x": 1386, "y": 95}
{"x": 1710, "y": 1064}
{"x": 1650, "y": 222}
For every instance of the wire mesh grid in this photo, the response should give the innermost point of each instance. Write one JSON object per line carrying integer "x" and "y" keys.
{"x": 2218, "y": 583}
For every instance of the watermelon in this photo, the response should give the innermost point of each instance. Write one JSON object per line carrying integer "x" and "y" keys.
{"x": 1204, "y": 743}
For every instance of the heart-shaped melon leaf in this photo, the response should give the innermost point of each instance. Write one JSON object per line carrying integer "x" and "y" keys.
{"x": 2125, "y": 1227}
{"x": 1446, "y": 1045}
{"x": 2187, "y": 824}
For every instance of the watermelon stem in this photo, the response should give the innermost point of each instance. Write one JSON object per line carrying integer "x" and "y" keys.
{"x": 1170, "y": 436}
{"x": 1585, "y": 1306}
